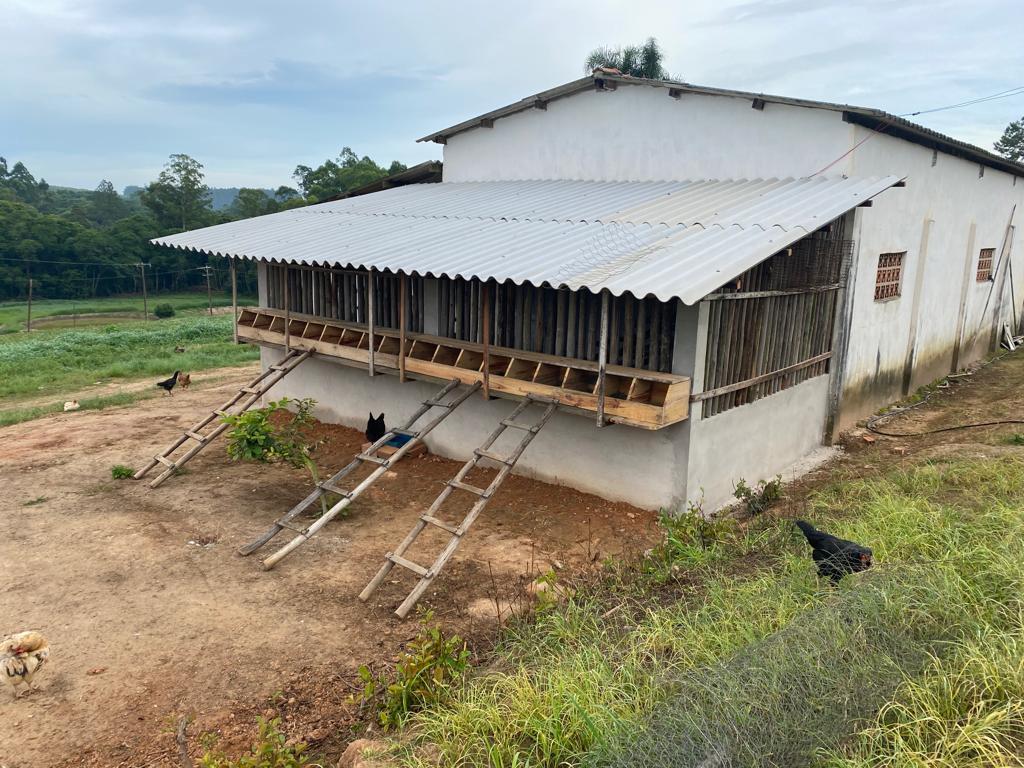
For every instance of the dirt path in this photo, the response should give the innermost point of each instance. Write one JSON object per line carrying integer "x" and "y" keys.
{"x": 151, "y": 615}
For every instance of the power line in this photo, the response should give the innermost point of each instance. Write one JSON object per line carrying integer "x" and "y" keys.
{"x": 1018, "y": 91}
{"x": 68, "y": 263}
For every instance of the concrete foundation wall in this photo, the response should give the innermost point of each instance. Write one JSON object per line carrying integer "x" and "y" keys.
{"x": 754, "y": 441}
{"x": 615, "y": 462}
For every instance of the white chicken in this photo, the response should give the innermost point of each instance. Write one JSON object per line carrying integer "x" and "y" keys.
{"x": 21, "y": 656}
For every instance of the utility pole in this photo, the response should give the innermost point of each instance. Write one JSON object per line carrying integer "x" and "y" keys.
{"x": 209, "y": 295}
{"x": 28, "y": 321}
{"x": 145, "y": 304}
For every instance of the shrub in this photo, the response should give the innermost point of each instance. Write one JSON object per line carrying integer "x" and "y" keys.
{"x": 253, "y": 437}
{"x": 270, "y": 750}
{"x": 424, "y": 674}
{"x": 163, "y": 311}
{"x": 121, "y": 472}
{"x": 688, "y": 539}
{"x": 759, "y": 498}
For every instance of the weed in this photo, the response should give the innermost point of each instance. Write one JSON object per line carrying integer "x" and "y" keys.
{"x": 1016, "y": 439}
{"x": 423, "y": 676}
{"x": 36, "y": 500}
{"x": 271, "y": 750}
{"x": 163, "y": 311}
{"x": 759, "y": 498}
{"x": 121, "y": 472}
{"x": 688, "y": 539}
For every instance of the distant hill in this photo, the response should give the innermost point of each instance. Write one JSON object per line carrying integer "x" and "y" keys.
{"x": 223, "y": 197}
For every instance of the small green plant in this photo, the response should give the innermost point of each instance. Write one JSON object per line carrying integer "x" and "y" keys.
{"x": 689, "y": 538}
{"x": 121, "y": 472}
{"x": 424, "y": 674}
{"x": 759, "y": 498}
{"x": 270, "y": 750}
{"x": 163, "y": 311}
{"x": 1016, "y": 439}
{"x": 36, "y": 500}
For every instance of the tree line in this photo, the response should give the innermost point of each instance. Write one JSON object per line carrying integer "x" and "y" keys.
{"x": 75, "y": 243}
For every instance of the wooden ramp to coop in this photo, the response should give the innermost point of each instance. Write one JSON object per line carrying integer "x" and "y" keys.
{"x": 484, "y": 495}
{"x": 414, "y": 437}
{"x": 206, "y": 431}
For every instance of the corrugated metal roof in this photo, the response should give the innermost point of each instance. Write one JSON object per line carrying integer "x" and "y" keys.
{"x": 875, "y": 119}
{"x": 669, "y": 239}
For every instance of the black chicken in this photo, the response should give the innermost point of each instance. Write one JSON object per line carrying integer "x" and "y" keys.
{"x": 375, "y": 428}
{"x": 168, "y": 384}
{"x": 835, "y": 557}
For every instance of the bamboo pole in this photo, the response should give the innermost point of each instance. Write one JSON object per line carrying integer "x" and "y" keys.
{"x": 369, "y": 317}
{"x": 403, "y": 289}
{"x": 602, "y": 359}
{"x": 234, "y": 298}
{"x": 287, "y": 309}
{"x": 485, "y": 320}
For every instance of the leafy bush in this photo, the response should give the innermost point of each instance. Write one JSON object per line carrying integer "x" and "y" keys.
{"x": 688, "y": 539}
{"x": 121, "y": 472}
{"x": 163, "y": 310}
{"x": 759, "y": 498}
{"x": 424, "y": 674}
{"x": 271, "y": 750}
{"x": 253, "y": 437}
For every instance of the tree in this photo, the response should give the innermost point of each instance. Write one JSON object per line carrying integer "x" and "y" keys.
{"x": 179, "y": 198}
{"x": 252, "y": 202}
{"x": 335, "y": 177}
{"x": 1011, "y": 144}
{"x": 105, "y": 205}
{"x": 634, "y": 60}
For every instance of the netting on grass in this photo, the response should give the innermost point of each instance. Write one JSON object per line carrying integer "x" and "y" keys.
{"x": 780, "y": 701}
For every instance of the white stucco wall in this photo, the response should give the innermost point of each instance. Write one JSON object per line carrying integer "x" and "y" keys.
{"x": 615, "y": 462}
{"x": 641, "y": 134}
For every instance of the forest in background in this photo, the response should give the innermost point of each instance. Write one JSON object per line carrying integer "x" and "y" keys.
{"x": 76, "y": 243}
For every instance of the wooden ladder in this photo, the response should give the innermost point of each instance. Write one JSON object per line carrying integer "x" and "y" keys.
{"x": 484, "y": 495}
{"x": 369, "y": 456}
{"x": 246, "y": 397}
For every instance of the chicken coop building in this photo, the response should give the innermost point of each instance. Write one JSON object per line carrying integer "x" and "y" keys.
{"x": 709, "y": 283}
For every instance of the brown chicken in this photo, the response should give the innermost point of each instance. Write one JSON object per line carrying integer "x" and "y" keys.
{"x": 21, "y": 656}
{"x": 185, "y": 380}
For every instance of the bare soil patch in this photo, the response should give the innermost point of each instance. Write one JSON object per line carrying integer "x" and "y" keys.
{"x": 152, "y": 615}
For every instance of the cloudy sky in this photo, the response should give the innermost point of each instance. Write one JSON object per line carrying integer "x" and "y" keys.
{"x": 97, "y": 89}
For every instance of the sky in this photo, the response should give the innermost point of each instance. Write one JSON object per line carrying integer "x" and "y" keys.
{"x": 107, "y": 89}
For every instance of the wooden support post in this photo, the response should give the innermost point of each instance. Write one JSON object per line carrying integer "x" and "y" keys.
{"x": 287, "y": 309}
{"x": 145, "y": 302}
{"x": 28, "y": 319}
{"x": 209, "y": 294}
{"x": 602, "y": 358}
{"x": 234, "y": 298}
{"x": 403, "y": 300}
{"x": 369, "y": 317}
{"x": 485, "y": 321}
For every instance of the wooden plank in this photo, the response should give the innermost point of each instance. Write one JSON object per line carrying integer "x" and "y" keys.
{"x": 370, "y": 320}
{"x": 757, "y": 379}
{"x": 485, "y": 322}
{"x": 403, "y": 290}
{"x": 287, "y": 308}
{"x": 602, "y": 359}
{"x": 767, "y": 294}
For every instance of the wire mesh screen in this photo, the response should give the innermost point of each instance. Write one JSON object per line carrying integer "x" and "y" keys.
{"x": 771, "y": 328}
{"x": 780, "y": 701}
{"x": 341, "y": 295}
{"x": 641, "y": 332}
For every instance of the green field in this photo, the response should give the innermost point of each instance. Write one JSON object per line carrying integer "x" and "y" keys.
{"x": 57, "y": 364}
{"x": 122, "y": 308}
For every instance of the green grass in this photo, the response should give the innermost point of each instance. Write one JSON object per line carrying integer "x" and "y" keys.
{"x": 12, "y": 314}
{"x": 756, "y": 657}
{"x": 18, "y": 415}
{"x": 57, "y": 363}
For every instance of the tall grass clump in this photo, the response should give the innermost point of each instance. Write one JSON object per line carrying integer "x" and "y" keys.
{"x": 752, "y": 666}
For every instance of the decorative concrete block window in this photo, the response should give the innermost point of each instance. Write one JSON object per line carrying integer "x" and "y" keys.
{"x": 985, "y": 264}
{"x": 889, "y": 276}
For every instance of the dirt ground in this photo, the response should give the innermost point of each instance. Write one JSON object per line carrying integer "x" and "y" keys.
{"x": 151, "y": 615}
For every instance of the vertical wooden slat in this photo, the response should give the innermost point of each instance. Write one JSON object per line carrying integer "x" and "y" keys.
{"x": 369, "y": 317}
{"x": 485, "y": 323}
{"x": 640, "y": 338}
{"x": 602, "y": 359}
{"x": 234, "y": 299}
{"x": 402, "y": 299}
{"x": 287, "y": 308}
{"x": 570, "y": 325}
